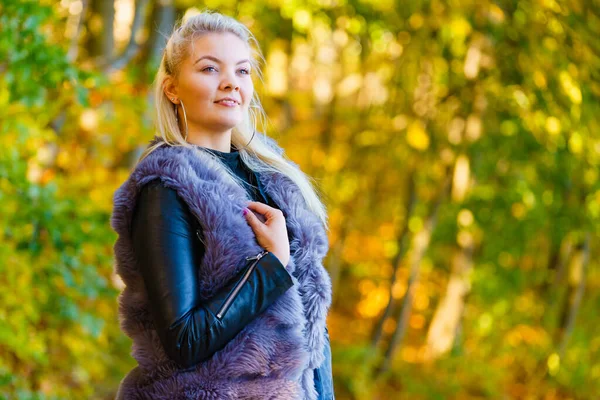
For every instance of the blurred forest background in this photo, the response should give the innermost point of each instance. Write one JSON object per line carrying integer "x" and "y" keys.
{"x": 457, "y": 144}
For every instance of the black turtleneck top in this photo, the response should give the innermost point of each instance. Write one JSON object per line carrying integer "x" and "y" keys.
{"x": 250, "y": 179}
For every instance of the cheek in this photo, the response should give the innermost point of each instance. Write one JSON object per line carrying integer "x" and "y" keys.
{"x": 199, "y": 87}
{"x": 247, "y": 91}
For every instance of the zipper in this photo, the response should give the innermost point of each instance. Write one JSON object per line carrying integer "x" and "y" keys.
{"x": 239, "y": 285}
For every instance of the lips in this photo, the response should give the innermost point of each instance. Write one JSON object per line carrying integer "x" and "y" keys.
{"x": 228, "y": 101}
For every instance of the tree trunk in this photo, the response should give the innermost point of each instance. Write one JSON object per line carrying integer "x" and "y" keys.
{"x": 402, "y": 242}
{"x": 576, "y": 288}
{"x": 107, "y": 44}
{"x": 420, "y": 244}
{"x": 162, "y": 20}
{"x": 100, "y": 26}
{"x": 559, "y": 272}
{"x": 133, "y": 47}
{"x": 335, "y": 261}
{"x": 446, "y": 319}
{"x": 78, "y": 21}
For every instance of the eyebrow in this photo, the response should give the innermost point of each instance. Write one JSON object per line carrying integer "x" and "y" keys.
{"x": 215, "y": 59}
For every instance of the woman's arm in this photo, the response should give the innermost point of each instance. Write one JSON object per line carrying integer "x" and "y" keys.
{"x": 168, "y": 254}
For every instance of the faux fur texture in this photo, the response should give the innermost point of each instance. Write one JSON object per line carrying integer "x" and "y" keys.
{"x": 273, "y": 357}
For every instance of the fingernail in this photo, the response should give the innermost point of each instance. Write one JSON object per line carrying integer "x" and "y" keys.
{"x": 245, "y": 211}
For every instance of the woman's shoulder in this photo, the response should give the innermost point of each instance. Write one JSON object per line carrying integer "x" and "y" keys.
{"x": 156, "y": 190}
{"x": 166, "y": 161}
{"x": 155, "y": 185}
{"x": 159, "y": 200}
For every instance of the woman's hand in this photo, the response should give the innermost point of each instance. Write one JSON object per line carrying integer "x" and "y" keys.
{"x": 271, "y": 234}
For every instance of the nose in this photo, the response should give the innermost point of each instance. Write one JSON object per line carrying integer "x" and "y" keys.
{"x": 231, "y": 85}
{"x": 230, "y": 82}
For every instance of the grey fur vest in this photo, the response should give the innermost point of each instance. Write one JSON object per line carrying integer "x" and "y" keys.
{"x": 273, "y": 357}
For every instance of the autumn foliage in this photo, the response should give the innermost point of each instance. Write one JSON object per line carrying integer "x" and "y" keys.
{"x": 456, "y": 144}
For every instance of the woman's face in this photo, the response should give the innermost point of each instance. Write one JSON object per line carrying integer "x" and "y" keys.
{"x": 218, "y": 66}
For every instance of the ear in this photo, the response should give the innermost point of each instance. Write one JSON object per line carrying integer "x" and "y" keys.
{"x": 170, "y": 89}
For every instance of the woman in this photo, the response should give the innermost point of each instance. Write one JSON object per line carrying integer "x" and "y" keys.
{"x": 221, "y": 239}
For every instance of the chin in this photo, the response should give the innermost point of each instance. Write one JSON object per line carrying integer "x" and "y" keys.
{"x": 228, "y": 123}
{"x": 223, "y": 126}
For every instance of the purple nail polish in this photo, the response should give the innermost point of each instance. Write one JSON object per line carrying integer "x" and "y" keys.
{"x": 245, "y": 211}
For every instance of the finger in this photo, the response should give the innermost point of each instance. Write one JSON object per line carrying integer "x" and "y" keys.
{"x": 259, "y": 207}
{"x": 268, "y": 211}
{"x": 253, "y": 220}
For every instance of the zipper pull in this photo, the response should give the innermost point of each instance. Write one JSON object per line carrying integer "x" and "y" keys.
{"x": 258, "y": 256}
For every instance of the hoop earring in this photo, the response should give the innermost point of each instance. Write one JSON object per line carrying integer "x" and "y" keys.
{"x": 184, "y": 118}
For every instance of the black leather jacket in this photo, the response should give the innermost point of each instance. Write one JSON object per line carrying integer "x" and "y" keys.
{"x": 167, "y": 242}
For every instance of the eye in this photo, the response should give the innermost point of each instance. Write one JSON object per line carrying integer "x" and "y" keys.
{"x": 205, "y": 69}
{"x": 246, "y": 71}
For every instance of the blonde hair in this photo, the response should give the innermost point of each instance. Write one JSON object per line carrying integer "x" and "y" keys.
{"x": 264, "y": 158}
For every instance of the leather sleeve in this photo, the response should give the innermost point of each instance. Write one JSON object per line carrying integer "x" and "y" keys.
{"x": 168, "y": 253}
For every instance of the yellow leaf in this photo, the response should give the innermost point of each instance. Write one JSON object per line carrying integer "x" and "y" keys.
{"x": 553, "y": 125}
{"x": 576, "y": 143}
{"x": 416, "y": 136}
{"x": 570, "y": 87}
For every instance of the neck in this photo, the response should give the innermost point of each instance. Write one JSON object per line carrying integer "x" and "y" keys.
{"x": 216, "y": 140}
